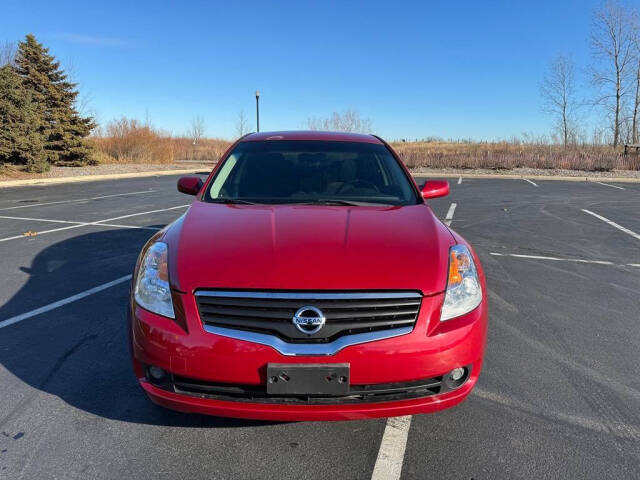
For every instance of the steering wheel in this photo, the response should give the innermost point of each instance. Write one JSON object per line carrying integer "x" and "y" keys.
{"x": 359, "y": 184}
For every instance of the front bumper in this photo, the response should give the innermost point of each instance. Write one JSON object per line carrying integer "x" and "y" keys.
{"x": 280, "y": 412}
{"x": 432, "y": 349}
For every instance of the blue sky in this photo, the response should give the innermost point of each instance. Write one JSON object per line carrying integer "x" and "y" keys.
{"x": 463, "y": 69}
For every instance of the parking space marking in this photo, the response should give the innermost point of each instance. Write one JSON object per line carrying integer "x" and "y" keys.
{"x": 77, "y": 200}
{"x": 64, "y": 301}
{"x": 103, "y": 223}
{"x": 141, "y": 213}
{"x": 532, "y": 183}
{"x": 42, "y": 232}
{"x": 117, "y": 225}
{"x": 613, "y": 224}
{"x": 100, "y": 197}
{"x": 449, "y": 217}
{"x": 557, "y": 259}
{"x": 459, "y": 180}
{"x": 40, "y": 220}
{"x": 391, "y": 454}
{"x": 607, "y": 185}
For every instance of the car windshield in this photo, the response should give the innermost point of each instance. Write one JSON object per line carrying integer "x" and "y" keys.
{"x": 311, "y": 172}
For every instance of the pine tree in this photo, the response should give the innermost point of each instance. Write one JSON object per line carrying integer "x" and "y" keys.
{"x": 21, "y": 140}
{"x": 64, "y": 130}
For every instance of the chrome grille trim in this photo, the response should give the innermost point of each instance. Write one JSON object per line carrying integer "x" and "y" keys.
{"x": 315, "y": 349}
{"x": 308, "y": 296}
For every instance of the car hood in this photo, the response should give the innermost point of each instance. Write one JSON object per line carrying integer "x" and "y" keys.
{"x": 302, "y": 247}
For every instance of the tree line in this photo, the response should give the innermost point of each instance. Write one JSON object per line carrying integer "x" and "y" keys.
{"x": 41, "y": 125}
{"x": 613, "y": 74}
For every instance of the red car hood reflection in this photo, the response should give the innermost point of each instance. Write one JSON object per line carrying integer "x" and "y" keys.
{"x": 295, "y": 247}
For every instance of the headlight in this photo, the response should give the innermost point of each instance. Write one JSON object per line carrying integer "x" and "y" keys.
{"x": 464, "y": 292}
{"x": 152, "y": 291}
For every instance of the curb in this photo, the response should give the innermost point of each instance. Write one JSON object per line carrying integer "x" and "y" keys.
{"x": 529, "y": 177}
{"x": 95, "y": 178}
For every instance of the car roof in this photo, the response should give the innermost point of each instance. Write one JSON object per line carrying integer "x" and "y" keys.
{"x": 312, "y": 135}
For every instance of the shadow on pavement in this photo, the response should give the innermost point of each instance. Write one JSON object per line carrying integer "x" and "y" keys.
{"x": 79, "y": 352}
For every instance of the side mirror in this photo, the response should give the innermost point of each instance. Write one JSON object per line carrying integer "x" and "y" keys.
{"x": 190, "y": 185}
{"x": 435, "y": 189}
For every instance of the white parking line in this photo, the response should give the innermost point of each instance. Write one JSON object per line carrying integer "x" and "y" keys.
{"x": 449, "y": 217}
{"x": 613, "y": 224}
{"x": 532, "y": 183}
{"x": 77, "y": 200}
{"x": 557, "y": 259}
{"x": 42, "y": 232}
{"x": 41, "y": 220}
{"x": 612, "y": 186}
{"x": 64, "y": 301}
{"x": 459, "y": 180}
{"x": 391, "y": 454}
{"x": 141, "y": 213}
{"x": 121, "y": 194}
{"x": 117, "y": 225}
{"x": 104, "y": 223}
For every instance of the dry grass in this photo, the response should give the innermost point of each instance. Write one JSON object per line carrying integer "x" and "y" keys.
{"x": 129, "y": 141}
{"x": 205, "y": 150}
{"x": 510, "y": 155}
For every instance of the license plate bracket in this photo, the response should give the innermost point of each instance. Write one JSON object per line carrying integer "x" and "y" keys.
{"x": 308, "y": 379}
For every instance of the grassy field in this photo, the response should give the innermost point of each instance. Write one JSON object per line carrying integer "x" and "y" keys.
{"x": 145, "y": 145}
{"x": 137, "y": 145}
{"x": 507, "y": 156}
{"x": 158, "y": 149}
{"x": 129, "y": 141}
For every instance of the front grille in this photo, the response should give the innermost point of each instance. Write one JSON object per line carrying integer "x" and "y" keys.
{"x": 272, "y": 312}
{"x": 357, "y": 393}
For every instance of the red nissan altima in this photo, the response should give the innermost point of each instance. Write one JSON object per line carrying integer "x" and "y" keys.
{"x": 309, "y": 280}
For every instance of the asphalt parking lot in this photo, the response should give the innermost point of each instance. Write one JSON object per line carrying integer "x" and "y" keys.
{"x": 559, "y": 396}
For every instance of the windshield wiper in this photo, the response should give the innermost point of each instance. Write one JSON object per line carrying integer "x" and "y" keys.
{"x": 231, "y": 201}
{"x": 331, "y": 201}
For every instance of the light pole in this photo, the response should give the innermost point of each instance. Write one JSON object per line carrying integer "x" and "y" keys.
{"x": 257, "y": 110}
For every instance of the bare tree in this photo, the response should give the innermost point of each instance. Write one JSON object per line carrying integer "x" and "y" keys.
{"x": 347, "y": 121}
{"x": 558, "y": 90}
{"x": 626, "y": 130}
{"x": 196, "y": 130}
{"x": 636, "y": 105}
{"x": 612, "y": 47}
{"x": 636, "y": 75}
{"x": 242, "y": 124}
{"x": 7, "y": 53}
